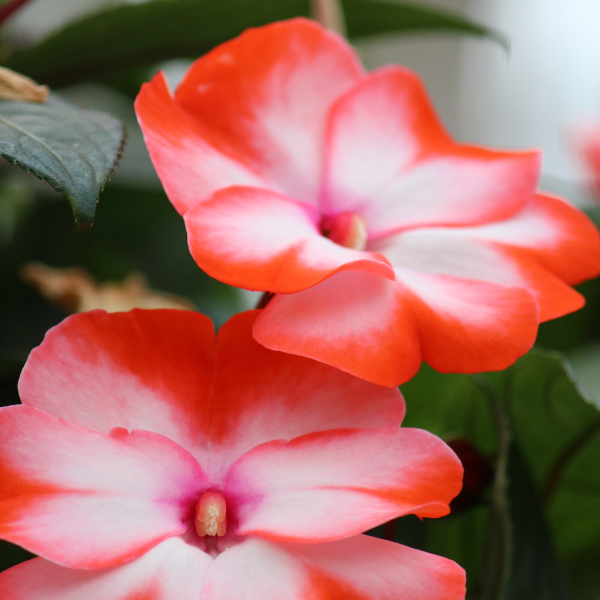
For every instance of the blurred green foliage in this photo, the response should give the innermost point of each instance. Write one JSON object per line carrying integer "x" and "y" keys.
{"x": 139, "y": 35}
{"x": 136, "y": 230}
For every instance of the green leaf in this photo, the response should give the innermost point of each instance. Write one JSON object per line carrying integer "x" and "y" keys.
{"x": 74, "y": 150}
{"x": 535, "y": 571}
{"x": 559, "y": 433}
{"x": 450, "y": 406}
{"x": 139, "y": 35}
{"x": 368, "y": 17}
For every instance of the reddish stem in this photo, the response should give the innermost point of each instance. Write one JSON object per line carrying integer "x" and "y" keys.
{"x": 264, "y": 299}
{"x": 389, "y": 530}
{"x": 9, "y": 8}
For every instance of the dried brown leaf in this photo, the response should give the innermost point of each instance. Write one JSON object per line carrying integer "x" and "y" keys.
{"x": 75, "y": 290}
{"x": 14, "y": 86}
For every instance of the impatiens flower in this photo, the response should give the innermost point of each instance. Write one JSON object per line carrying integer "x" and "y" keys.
{"x": 385, "y": 242}
{"x": 150, "y": 462}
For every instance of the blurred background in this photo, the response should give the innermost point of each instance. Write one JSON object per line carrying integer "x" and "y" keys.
{"x": 535, "y": 94}
{"x": 540, "y": 89}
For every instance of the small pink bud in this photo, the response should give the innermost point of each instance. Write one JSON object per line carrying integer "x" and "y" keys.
{"x": 210, "y": 518}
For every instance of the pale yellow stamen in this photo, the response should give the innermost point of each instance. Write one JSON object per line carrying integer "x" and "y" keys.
{"x": 357, "y": 234}
{"x": 346, "y": 229}
{"x": 211, "y": 515}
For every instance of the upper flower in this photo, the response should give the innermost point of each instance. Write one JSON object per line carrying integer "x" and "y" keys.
{"x": 150, "y": 461}
{"x": 386, "y": 242}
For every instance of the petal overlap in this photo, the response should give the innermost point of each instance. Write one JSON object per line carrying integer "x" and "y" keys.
{"x": 463, "y": 254}
{"x": 191, "y": 161}
{"x": 292, "y": 256}
{"x": 358, "y": 568}
{"x": 235, "y": 120}
{"x": 272, "y": 110}
{"x": 467, "y": 326}
{"x": 173, "y": 569}
{"x": 389, "y": 159}
{"x": 163, "y": 371}
{"x": 554, "y": 234}
{"x": 381, "y": 330}
{"x": 357, "y": 322}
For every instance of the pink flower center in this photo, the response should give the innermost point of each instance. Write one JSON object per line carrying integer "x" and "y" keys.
{"x": 211, "y": 515}
{"x": 346, "y": 229}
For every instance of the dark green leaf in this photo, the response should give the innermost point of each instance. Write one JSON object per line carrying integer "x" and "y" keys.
{"x": 535, "y": 570}
{"x": 575, "y": 329}
{"x": 74, "y": 150}
{"x": 368, "y": 17}
{"x": 132, "y": 36}
{"x": 559, "y": 433}
{"x": 450, "y": 406}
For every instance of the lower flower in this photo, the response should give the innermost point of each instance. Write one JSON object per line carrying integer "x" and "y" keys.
{"x": 150, "y": 461}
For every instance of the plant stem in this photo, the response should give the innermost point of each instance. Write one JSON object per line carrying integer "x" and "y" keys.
{"x": 330, "y": 14}
{"x": 264, "y": 300}
{"x": 498, "y": 547}
{"x": 389, "y": 531}
{"x": 565, "y": 458}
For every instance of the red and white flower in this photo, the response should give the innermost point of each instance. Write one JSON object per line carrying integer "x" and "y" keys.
{"x": 385, "y": 242}
{"x": 149, "y": 461}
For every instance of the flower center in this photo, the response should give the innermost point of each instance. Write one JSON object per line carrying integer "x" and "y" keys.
{"x": 346, "y": 229}
{"x": 211, "y": 515}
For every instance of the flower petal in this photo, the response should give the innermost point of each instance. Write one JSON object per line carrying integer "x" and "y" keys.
{"x": 359, "y": 568}
{"x": 173, "y": 569}
{"x": 266, "y": 94}
{"x": 88, "y": 500}
{"x": 364, "y": 567}
{"x": 333, "y": 484}
{"x": 260, "y": 240}
{"x": 191, "y": 160}
{"x": 162, "y": 371}
{"x": 356, "y": 322}
{"x": 261, "y": 395}
{"x": 457, "y": 252}
{"x": 470, "y": 326}
{"x": 145, "y": 369}
{"x": 555, "y": 234}
{"x": 390, "y": 160}
{"x": 380, "y": 330}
